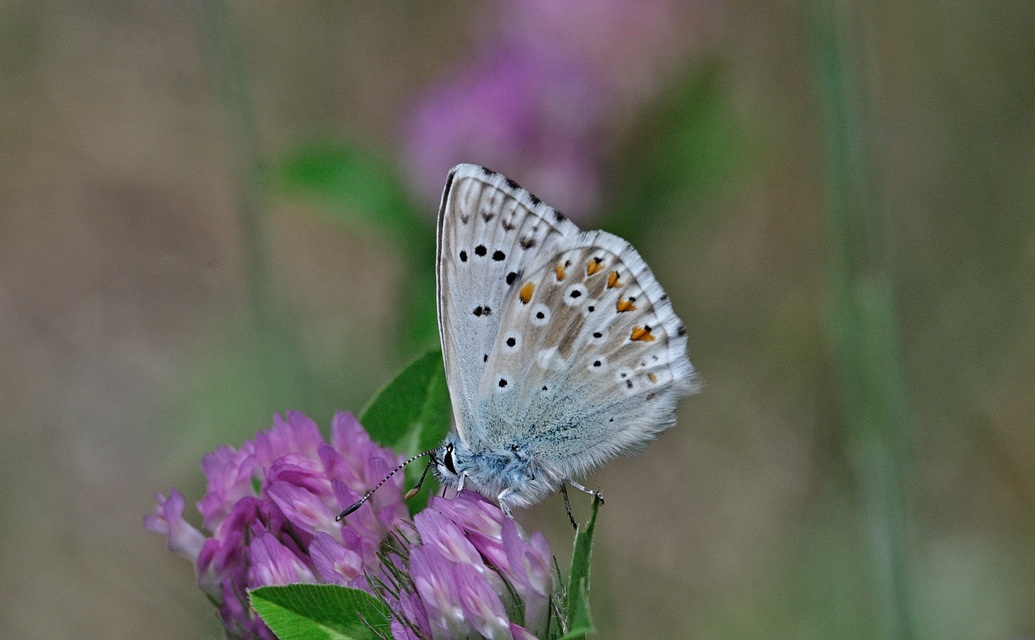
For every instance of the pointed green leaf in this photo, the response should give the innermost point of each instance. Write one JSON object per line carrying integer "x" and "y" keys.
{"x": 579, "y": 624}
{"x": 320, "y": 611}
{"x": 412, "y": 414}
{"x": 412, "y": 410}
{"x": 577, "y": 605}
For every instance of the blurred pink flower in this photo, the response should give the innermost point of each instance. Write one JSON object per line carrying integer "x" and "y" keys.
{"x": 537, "y": 102}
{"x": 533, "y": 120}
{"x": 629, "y": 44}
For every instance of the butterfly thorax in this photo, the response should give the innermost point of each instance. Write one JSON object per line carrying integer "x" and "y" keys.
{"x": 504, "y": 472}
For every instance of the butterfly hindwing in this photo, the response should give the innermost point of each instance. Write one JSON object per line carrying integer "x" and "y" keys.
{"x": 491, "y": 232}
{"x": 590, "y": 359}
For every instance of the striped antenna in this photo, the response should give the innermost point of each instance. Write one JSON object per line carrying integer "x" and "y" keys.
{"x": 409, "y": 494}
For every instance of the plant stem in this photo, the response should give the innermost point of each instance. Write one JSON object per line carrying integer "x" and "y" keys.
{"x": 863, "y": 327}
{"x": 278, "y": 343}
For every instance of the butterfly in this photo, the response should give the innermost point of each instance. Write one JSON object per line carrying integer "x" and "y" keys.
{"x": 561, "y": 350}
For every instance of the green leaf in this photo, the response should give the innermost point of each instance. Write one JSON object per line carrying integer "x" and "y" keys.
{"x": 412, "y": 414}
{"x": 577, "y": 605}
{"x": 579, "y": 624}
{"x": 359, "y": 187}
{"x": 318, "y": 611}
{"x": 412, "y": 411}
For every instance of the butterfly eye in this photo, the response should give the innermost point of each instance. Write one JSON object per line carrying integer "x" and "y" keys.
{"x": 447, "y": 460}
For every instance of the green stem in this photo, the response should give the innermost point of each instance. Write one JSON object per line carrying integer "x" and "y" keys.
{"x": 863, "y": 325}
{"x": 278, "y": 344}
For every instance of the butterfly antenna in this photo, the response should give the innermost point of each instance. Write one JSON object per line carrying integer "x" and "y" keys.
{"x": 412, "y": 492}
{"x": 359, "y": 503}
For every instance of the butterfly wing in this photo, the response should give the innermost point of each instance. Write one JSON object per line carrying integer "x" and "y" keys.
{"x": 590, "y": 359}
{"x": 491, "y": 233}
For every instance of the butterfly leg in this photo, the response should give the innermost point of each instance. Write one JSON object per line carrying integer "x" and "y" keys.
{"x": 596, "y": 494}
{"x": 502, "y": 499}
{"x": 567, "y": 506}
{"x": 460, "y": 483}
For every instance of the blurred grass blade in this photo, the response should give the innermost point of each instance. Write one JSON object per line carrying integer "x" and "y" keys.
{"x": 364, "y": 192}
{"x": 863, "y": 329}
{"x": 281, "y": 346}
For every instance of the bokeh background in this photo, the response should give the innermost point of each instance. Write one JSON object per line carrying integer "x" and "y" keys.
{"x": 210, "y": 213}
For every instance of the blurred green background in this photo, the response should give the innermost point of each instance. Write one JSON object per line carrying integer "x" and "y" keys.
{"x": 212, "y": 213}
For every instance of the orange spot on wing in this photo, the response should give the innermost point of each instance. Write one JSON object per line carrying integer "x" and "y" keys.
{"x": 642, "y": 334}
{"x": 612, "y": 280}
{"x": 624, "y": 305}
{"x": 652, "y": 377}
{"x": 525, "y": 295}
{"x": 594, "y": 265}
{"x": 560, "y": 272}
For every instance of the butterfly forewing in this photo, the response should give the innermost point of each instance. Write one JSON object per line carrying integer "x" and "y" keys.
{"x": 491, "y": 232}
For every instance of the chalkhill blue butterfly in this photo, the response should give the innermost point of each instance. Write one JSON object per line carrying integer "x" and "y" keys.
{"x": 561, "y": 350}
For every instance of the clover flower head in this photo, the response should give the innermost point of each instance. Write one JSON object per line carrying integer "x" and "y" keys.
{"x": 472, "y": 574}
{"x": 459, "y": 568}
{"x": 270, "y": 509}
